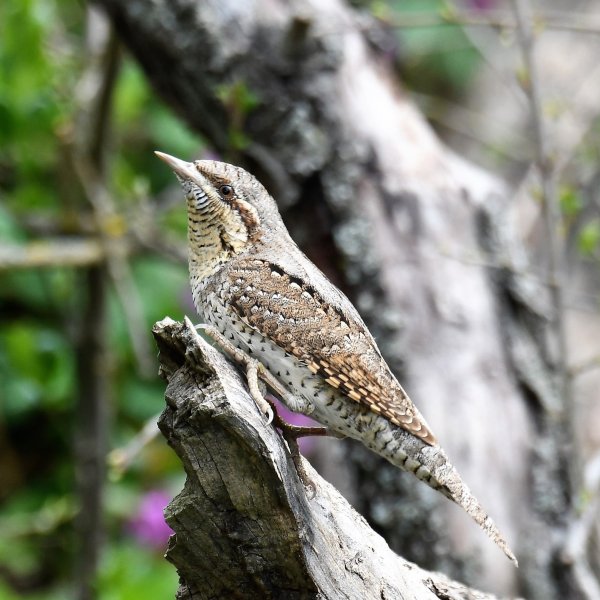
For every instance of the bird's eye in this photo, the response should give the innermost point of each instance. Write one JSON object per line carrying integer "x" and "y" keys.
{"x": 226, "y": 191}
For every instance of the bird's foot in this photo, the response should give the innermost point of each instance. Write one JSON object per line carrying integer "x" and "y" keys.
{"x": 290, "y": 434}
{"x": 255, "y": 370}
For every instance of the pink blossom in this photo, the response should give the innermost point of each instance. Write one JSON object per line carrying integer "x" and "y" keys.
{"x": 148, "y": 526}
{"x": 482, "y": 5}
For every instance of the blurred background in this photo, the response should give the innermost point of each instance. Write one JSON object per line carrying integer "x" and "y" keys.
{"x": 93, "y": 252}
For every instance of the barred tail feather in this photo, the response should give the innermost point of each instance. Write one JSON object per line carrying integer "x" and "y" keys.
{"x": 431, "y": 465}
{"x": 452, "y": 486}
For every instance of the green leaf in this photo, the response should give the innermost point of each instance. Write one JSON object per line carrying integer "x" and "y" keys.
{"x": 589, "y": 238}
{"x": 570, "y": 201}
{"x": 238, "y": 97}
{"x": 40, "y": 364}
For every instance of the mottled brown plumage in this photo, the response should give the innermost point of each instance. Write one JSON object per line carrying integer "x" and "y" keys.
{"x": 292, "y": 313}
{"x": 253, "y": 285}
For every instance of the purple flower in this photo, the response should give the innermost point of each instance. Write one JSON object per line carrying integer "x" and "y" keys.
{"x": 482, "y": 5}
{"x": 148, "y": 526}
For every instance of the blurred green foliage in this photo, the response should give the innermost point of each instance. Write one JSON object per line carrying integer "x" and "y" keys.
{"x": 239, "y": 101}
{"x": 588, "y": 241}
{"x": 42, "y": 57}
{"x": 435, "y": 60}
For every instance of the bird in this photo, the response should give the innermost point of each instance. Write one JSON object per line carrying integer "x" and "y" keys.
{"x": 261, "y": 296}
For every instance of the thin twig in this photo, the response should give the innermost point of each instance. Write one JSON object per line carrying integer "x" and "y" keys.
{"x": 556, "y": 21}
{"x": 53, "y": 252}
{"x": 89, "y": 166}
{"x": 171, "y": 249}
{"x": 583, "y": 367}
{"x": 119, "y": 459}
{"x": 570, "y": 135}
{"x": 471, "y": 124}
{"x": 119, "y": 270}
{"x": 587, "y": 583}
{"x": 97, "y": 89}
{"x": 588, "y": 301}
{"x": 91, "y": 418}
{"x": 551, "y": 209}
{"x": 93, "y": 379}
{"x": 122, "y": 278}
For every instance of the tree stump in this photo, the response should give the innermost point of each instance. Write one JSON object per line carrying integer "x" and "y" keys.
{"x": 245, "y": 525}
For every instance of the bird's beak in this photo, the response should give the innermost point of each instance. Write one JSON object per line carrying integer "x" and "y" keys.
{"x": 183, "y": 169}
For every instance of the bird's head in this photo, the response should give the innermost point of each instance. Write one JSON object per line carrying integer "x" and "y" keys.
{"x": 225, "y": 201}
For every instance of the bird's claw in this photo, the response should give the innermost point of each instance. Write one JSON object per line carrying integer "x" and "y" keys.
{"x": 265, "y": 407}
{"x": 269, "y": 414}
{"x": 255, "y": 370}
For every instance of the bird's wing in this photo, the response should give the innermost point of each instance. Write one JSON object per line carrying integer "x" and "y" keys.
{"x": 333, "y": 343}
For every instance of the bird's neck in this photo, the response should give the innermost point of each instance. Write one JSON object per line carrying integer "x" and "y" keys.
{"x": 214, "y": 240}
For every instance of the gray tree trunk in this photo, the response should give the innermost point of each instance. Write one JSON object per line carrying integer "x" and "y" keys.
{"x": 414, "y": 235}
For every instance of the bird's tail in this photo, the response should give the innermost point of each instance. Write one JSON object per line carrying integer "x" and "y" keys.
{"x": 456, "y": 490}
{"x": 431, "y": 465}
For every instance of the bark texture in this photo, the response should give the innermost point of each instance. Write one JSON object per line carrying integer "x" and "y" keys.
{"x": 245, "y": 526}
{"x": 415, "y": 236}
